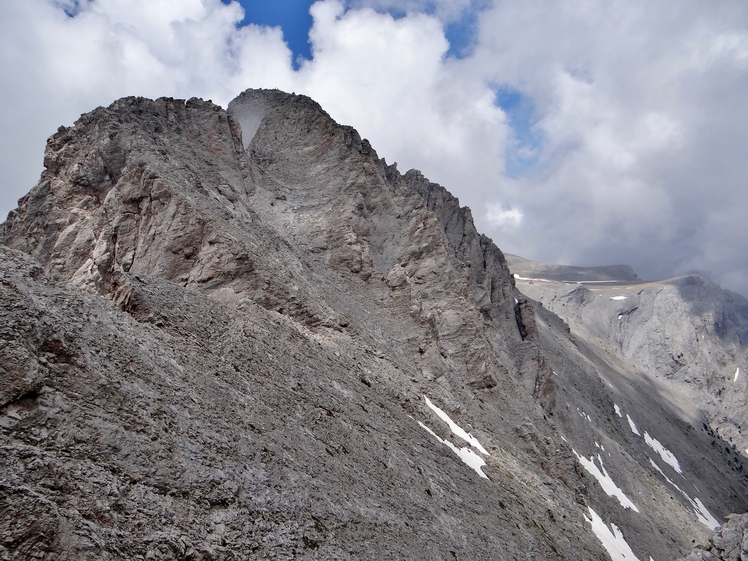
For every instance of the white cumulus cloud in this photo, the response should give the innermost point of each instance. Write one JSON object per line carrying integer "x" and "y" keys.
{"x": 632, "y": 152}
{"x": 503, "y": 216}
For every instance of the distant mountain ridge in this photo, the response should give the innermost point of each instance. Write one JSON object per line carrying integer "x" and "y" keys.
{"x": 233, "y": 334}
{"x": 686, "y": 330}
{"x": 570, "y": 273}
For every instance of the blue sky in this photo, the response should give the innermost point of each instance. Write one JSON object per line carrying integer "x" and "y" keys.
{"x": 461, "y": 34}
{"x": 523, "y": 151}
{"x": 574, "y": 136}
{"x": 294, "y": 19}
{"x": 291, "y": 15}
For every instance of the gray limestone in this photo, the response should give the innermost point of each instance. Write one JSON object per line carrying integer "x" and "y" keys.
{"x": 219, "y": 328}
{"x": 728, "y": 543}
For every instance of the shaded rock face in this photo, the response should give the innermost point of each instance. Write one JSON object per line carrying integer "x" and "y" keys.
{"x": 107, "y": 202}
{"x": 232, "y": 334}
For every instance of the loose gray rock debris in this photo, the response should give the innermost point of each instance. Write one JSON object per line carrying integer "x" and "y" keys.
{"x": 240, "y": 334}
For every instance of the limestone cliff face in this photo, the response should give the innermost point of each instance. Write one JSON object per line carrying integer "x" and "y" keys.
{"x": 232, "y": 334}
{"x": 166, "y": 189}
{"x": 116, "y": 193}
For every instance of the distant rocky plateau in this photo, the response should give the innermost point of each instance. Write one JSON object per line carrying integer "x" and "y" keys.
{"x": 241, "y": 334}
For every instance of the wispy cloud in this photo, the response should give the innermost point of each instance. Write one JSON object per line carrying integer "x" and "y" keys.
{"x": 503, "y": 216}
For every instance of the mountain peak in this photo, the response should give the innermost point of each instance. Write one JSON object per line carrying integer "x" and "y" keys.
{"x": 236, "y": 333}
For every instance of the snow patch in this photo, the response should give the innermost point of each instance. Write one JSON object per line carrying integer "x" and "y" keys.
{"x": 701, "y": 512}
{"x": 612, "y": 541}
{"x": 516, "y": 276}
{"x": 456, "y": 429}
{"x": 667, "y": 456}
{"x": 633, "y": 426}
{"x": 469, "y": 457}
{"x": 618, "y": 297}
{"x": 617, "y": 410}
{"x": 737, "y": 373}
{"x": 606, "y": 482}
{"x": 662, "y": 473}
{"x": 704, "y": 516}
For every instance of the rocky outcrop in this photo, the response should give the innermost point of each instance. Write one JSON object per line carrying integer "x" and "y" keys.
{"x": 727, "y": 543}
{"x": 241, "y": 334}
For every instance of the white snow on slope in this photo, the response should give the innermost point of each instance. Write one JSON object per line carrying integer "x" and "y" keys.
{"x": 704, "y": 516}
{"x": 633, "y": 426}
{"x": 662, "y": 473}
{"x": 618, "y": 297}
{"x": 465, "y": 454}
{"x": 456, "y": 429}
{"x": 516, "y": 276}
{"x": 737, "y": 373}
{"x": 667, "y": 456}
{"x": 701, "y": 512}
{"x": 613, "y": 541}
{"x": 606, "y": 482}
{"x": 617, "y": 410}
{"x": 584, "y": 415}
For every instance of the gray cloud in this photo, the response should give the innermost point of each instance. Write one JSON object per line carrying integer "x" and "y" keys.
{"x": 636, "y": 136}
{"x": 643, "y": 121}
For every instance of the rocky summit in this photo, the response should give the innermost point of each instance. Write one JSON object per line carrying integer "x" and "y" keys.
{"x": 240, "y": 334}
